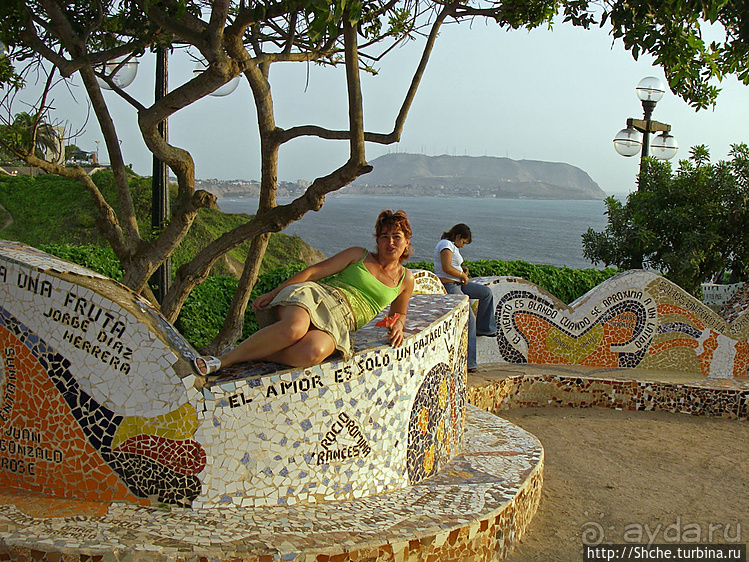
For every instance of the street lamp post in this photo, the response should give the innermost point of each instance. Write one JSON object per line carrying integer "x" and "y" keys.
{"x": 161, "y": 279}
{"x": 636, "y": 137}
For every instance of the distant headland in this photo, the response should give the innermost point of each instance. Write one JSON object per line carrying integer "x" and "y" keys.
{"x": 474, "y": 176}
{"x": 417, "y": 175}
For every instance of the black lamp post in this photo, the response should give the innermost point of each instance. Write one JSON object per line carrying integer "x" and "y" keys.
{"x": 161, "y": 279}
{"x": 636, "y": 137}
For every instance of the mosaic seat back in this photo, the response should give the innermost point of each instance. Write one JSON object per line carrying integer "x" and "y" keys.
{"x": 99, "y": 401}
{"x": 635, "y": 319}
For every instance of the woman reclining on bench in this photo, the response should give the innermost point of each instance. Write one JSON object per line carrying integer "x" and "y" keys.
{"x": 309, "y": 316}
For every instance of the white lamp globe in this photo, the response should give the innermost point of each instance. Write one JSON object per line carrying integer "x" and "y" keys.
{"x": 628, "y": 142}
{"x": 664, "y": 146}
{"x": 227, "y": 88}
{"x": 221, "y": 91}
{"x": 650, "y": 89}
{"x": 121, "y": 73}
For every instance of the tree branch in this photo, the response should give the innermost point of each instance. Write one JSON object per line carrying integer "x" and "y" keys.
{"x": 380, "y": 138}
{"x": 186, "y": 27}
{"x": 353, "y": 88}
{"x": 117, "y": 163}
{"x": 274, "y": 220}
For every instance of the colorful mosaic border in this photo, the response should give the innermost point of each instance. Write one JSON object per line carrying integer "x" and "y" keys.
{"x": 635, "y": 319}
{"x": 477, "y": 508}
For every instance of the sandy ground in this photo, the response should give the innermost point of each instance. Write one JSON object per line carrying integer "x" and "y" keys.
{"x": 635, "y": 477}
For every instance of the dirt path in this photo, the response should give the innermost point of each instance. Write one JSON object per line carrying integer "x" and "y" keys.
{"x": 635, "y": 477}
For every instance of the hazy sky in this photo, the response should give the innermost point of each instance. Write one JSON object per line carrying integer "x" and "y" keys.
{"x": 556, "y": 96}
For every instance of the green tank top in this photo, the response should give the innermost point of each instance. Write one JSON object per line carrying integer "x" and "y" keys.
{"x": 366, "y": 294}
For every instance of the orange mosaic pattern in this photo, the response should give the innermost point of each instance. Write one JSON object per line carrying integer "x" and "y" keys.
{"x": 636, "y": 319}
{"x": 594, "y": 347}
{"x": 47, "y": 453}
{"x": 56, "y": 439}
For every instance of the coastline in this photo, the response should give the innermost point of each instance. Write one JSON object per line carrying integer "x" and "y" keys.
{"x": 536, "y": 231}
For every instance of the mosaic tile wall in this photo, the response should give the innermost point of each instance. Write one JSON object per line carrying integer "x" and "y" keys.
{"x": 635, "y": 319}
{"x": 384, "y": 420}
{"x": 736, "y": 305}
{"x": 476, "y": 509}
{"x": 714, "y": 295}
{"x": 427, "y": 283}
{"x": 618, "y": 389}
{"x": 100, "y": 402}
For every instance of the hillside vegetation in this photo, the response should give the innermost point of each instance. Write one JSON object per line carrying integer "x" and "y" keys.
{"x": 52, "y": 210}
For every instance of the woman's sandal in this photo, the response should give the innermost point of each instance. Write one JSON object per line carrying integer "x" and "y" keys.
{"x": 211, "y": 364}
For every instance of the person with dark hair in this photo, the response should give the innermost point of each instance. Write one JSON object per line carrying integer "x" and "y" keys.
{"x": 448, "y": 266}
{"x": 310, "y": 315}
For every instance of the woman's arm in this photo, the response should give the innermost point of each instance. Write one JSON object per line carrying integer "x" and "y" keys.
{"x": 446, "y": 257}
{"x": 400, "y": 306}
{"x": 314, "y": 272}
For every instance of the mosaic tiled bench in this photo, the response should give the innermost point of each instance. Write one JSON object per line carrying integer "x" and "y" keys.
{"x": 636, "y": 319}
{"x": 635, "y": 342}
{"x": 104, "y": 418}
{"x": 477, "y": 508}
{"x": 507, "y": 386}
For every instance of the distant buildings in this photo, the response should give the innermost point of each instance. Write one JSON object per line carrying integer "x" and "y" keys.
{"x": 82, "y": 158}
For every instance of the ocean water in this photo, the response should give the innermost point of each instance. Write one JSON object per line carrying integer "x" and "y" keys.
{"x": 542, "y": 232}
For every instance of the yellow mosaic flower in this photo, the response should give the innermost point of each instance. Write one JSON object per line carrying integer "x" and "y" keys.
{"x": 178, "y": 424}
{"x": 442, "y": 396}
{"x": 423, "y": 420}
{"x": 441, "y": 431}
{"x": 429, "y": 459}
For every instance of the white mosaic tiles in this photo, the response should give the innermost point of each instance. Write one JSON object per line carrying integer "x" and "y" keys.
{"x": 385, "y": 419}
{"x": 470, "y": 511}
{"x": 126, "y": 400}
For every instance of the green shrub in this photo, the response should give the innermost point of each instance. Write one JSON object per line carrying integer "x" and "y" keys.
{"x": 203, "y": 313}
{"x": 563, "y": 282}
{"x": 101, "y": 260}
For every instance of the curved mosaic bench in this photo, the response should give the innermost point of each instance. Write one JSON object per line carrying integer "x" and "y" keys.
{"x": 508, "y": 386}
{"x": 476, "y": 509}
{"x": 100, "y": 403}
{"x": 634, "y": 320}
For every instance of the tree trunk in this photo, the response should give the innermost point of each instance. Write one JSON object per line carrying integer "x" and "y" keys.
{"x": 234, "y": 321}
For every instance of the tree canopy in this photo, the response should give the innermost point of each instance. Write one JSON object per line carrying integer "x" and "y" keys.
{"x": 63, "y": 38}
{"x": 28, "y": 134}
{"x": 691, "y": 224}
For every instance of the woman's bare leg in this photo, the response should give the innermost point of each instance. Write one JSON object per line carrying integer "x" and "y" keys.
{"x": 293, "y": 324}
{"x": 312, "y": 349}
